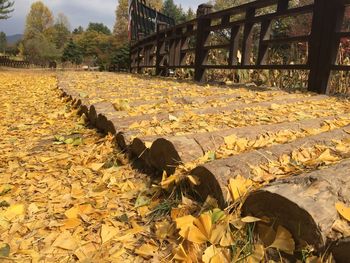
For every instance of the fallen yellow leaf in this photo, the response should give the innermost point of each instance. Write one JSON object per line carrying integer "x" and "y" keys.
{"x": 65, "y": 241}
{"x": 284, "y": 241}
{"x": 146, "y": 250}
{"x": 108, "y": 232}
{"x": 14, "y": 211}
{"x": 343, "y": 210}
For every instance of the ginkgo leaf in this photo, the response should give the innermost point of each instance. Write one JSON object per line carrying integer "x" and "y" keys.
{"x": 180, "y": 254}
{"x": 230, "y": 140}
{"x": 14, "y": 211}
{"x": 250, "y": 219}
{"x": 184, "y": 223}
{"x": 204, "y": 224}
{"x": 146, "y": 250}
{"x": 258, "y": 254}
{"x": 108, "y": 232}
{"x": 343, "y": 210}
{"x": 216, "y": 215}
{"x": 193, "y": 180}
{"x": 65, "y": 241}
{"x": 96, "y": 166}
{"x": 196, "y": 236}
{"x": 208, "y": 254}
{"x": 284, "y": 241}
{"x": 239, "y": 186}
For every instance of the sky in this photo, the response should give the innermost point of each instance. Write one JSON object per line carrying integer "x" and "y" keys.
{"x": 79, "y": 12}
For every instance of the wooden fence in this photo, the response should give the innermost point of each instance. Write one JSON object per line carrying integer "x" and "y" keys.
{"x": 175, "y": 48}
{"x": 7, "y": 62}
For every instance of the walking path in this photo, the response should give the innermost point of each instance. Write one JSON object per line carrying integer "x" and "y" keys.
{"x": 64, "y": 191}
{"x": 68, "y": 193}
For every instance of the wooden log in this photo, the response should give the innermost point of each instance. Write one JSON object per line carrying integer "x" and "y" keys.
{"x": 305, "y": 205}
{"x": 216, "y": 174}
{"x": 103, "y": 108}
{"x": 122, "y": 124}
{"x": 170, "y": 151}
{"x": 138, "y": 148}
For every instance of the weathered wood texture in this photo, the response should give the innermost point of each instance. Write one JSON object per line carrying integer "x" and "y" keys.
{"x": 168, "y": 152}
{"x": 303, "y": 203}
{"x": 306, "y": 206}
{"x": 215, "y": 175}
{"x": 157, "y": 51}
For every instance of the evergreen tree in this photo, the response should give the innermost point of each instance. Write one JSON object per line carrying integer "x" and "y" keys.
{"x": 190, "y": 14}
{"x": 3, "y": 42}
{"x": 78, "y": 30}
{"x": 5, "y": 8}
{"x": 99, "y": 27}
{"x": 172, "y": 10}
{"x": 72, "y": 53}
{"x": 121, "y": 58}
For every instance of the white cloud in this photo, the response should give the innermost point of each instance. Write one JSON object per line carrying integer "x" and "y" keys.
{"x": 79, "y": 12}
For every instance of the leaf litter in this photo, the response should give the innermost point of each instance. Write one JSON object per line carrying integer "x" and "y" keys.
{"x": 68, "y": 194}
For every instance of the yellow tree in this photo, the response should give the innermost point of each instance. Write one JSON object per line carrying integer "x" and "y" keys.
{"x": 122, "y": 18}
{"x": 39, "y": 19}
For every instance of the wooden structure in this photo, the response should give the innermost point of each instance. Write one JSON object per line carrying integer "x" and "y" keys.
{"x": 173, "y": 48}
{"x": 144, "y": 20}
{"x": 7, "y": 62}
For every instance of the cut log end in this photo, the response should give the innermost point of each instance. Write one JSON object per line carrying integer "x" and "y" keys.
{"x": 341, "y": 251}
{"x": 164, "y": 156}
{"x": 306, "y": 206}
{"x": 286, "y": 213}
{"x": 83, "y": 110}
{"x": 209, "y": 185}
{"x": 92, "y": 115}
{"x": 138, "y": 148}
{"x": 120, "y": 139}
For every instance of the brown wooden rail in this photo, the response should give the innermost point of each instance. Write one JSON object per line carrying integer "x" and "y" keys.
{"x": 7, "y": 62}
{"x": 171, "y": 48}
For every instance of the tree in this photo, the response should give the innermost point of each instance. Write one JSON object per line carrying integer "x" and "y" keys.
{"x": 59, "y": 34}
{"x": 121, "y": 58}
{"x": 40, "y": 50}
{"x": 190, "y": 14}
{"x": 120, "y": 29}
{"x": 224, "y": 4}
{"x": 3, "y": 42}
{"x": 38, "y": 45}
{"x": 5, "y": 8}
{"x": 172, "y": 10}
{"x": 72, "y": 53}
{"x": 122, "y": 20}
{"x": 99, "y": 27}
{"x": 39, "y": 20}
{"x": 156, "y": 4}
{"x": 78, "y": 30}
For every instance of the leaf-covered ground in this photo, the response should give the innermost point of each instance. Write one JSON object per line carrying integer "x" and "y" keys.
{"x": 67, "y": 194}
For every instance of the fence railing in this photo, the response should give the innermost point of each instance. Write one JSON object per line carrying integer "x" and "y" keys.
{"x": 7, "y": 62}
{"x": 187, "y": 46}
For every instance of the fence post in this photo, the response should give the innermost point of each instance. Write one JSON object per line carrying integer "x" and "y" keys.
{"x": 160, "y": 27}
{"x": 202, "y": 35}
{"x": 323, "y": 48}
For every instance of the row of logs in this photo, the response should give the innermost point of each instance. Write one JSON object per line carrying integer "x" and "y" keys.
{"x": 304, "y": 204}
